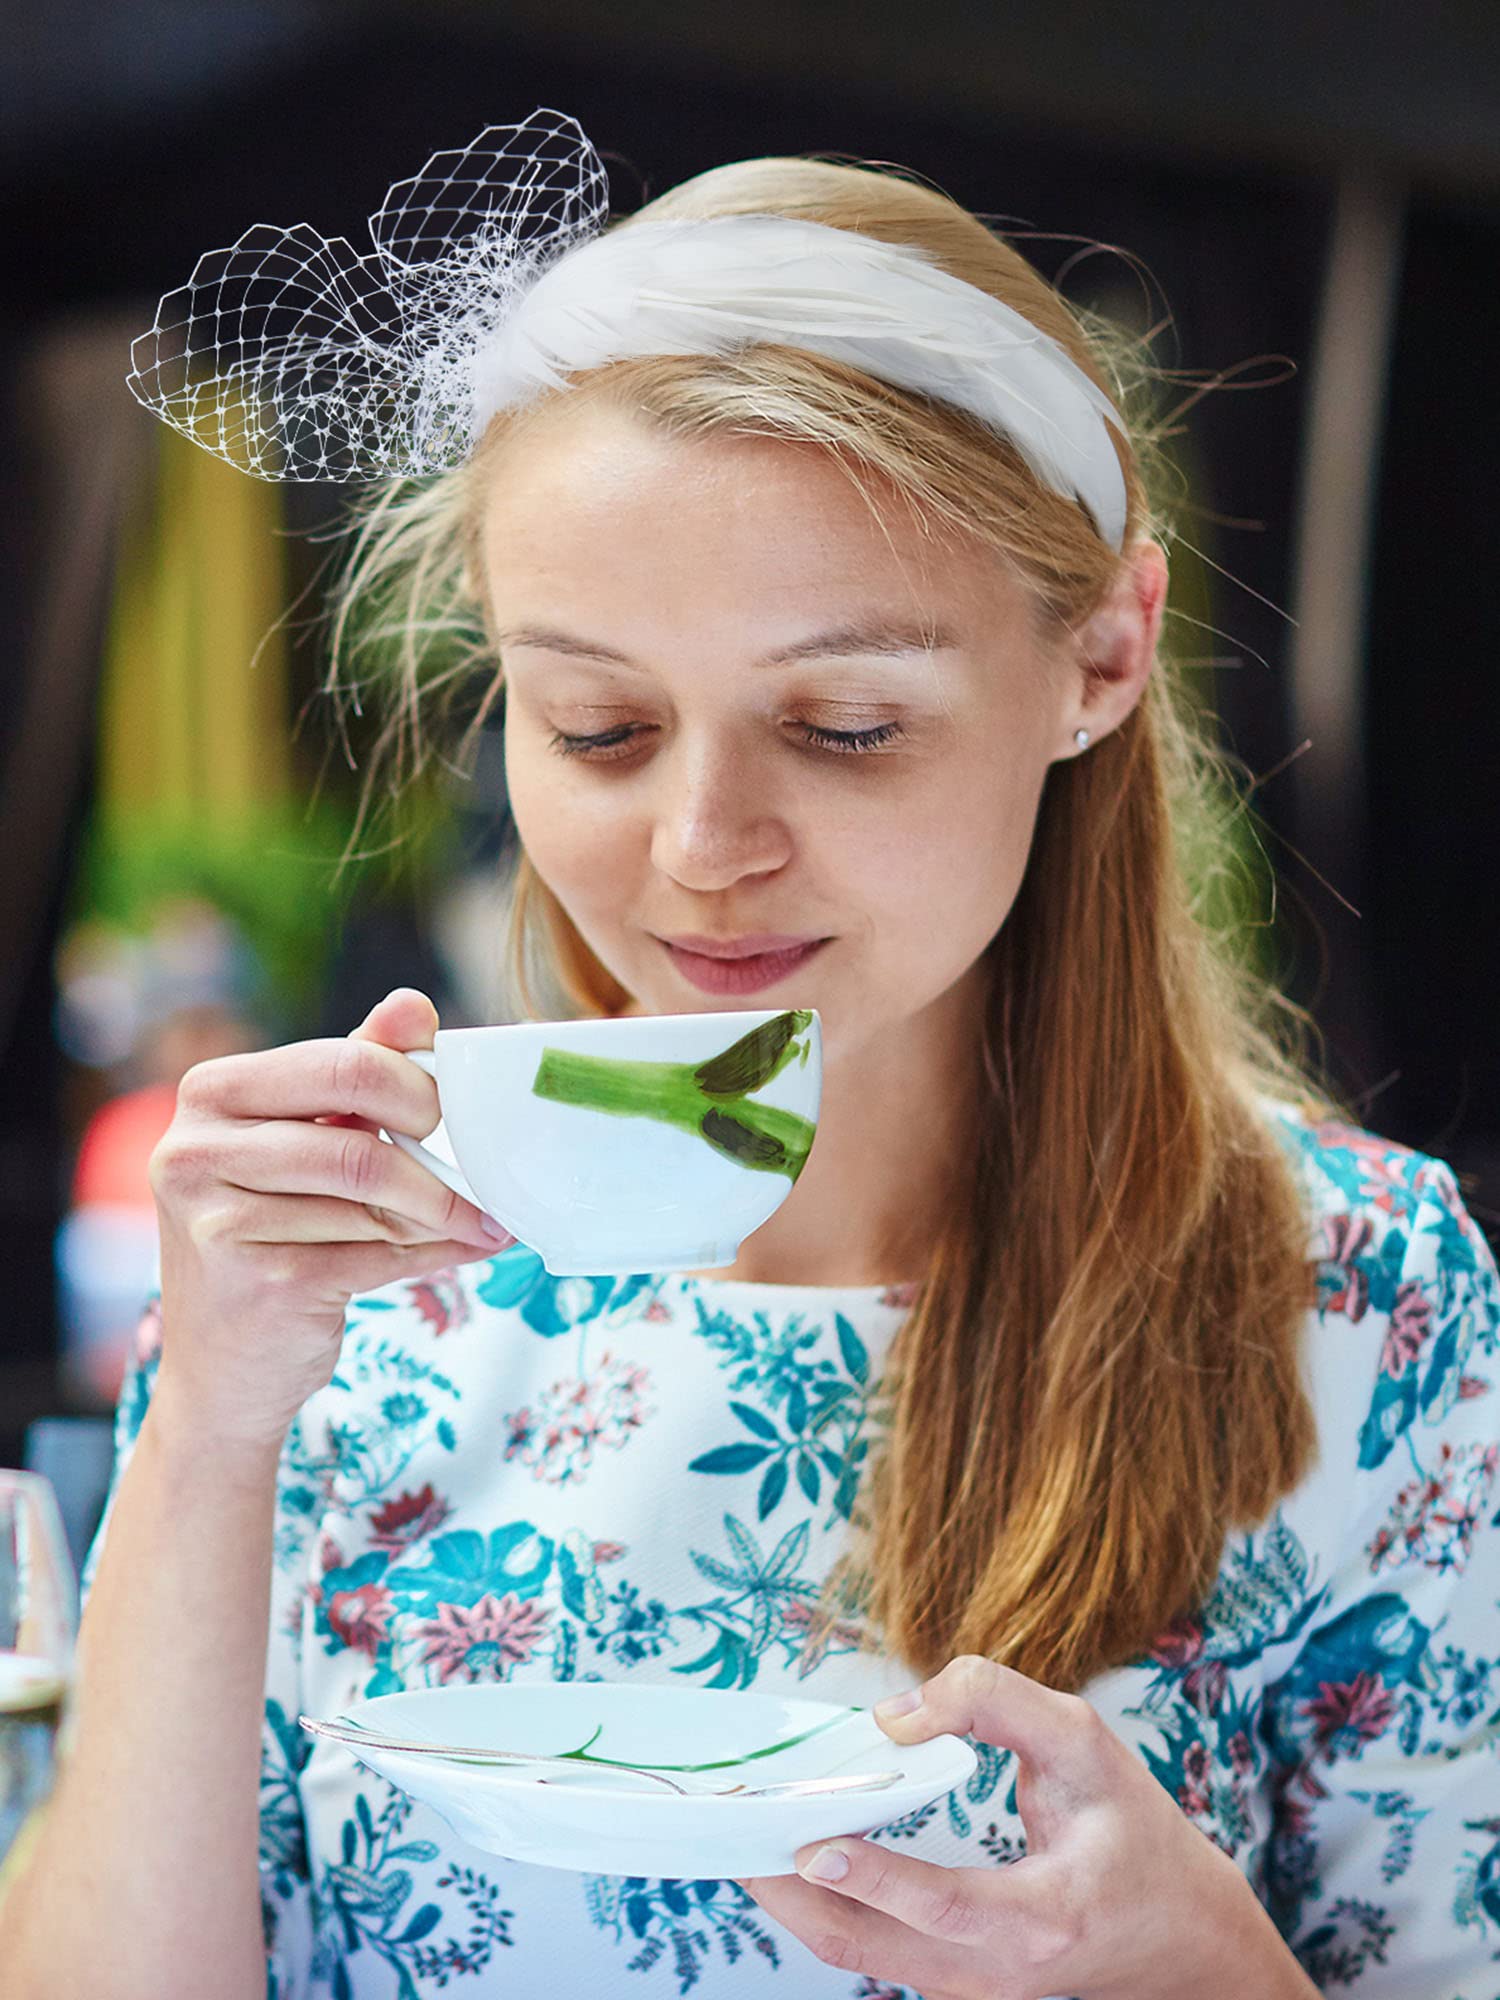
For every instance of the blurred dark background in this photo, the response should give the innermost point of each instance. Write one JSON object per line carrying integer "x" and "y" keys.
{"x": 1315, "y": 183}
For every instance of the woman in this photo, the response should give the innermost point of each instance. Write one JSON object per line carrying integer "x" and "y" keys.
{"x": 1101, "y": 1382}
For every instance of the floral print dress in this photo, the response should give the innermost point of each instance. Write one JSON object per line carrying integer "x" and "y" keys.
{"x": 519, "y": 1477}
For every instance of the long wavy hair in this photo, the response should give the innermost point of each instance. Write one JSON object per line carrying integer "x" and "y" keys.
{"x": 1099, "y": 1374}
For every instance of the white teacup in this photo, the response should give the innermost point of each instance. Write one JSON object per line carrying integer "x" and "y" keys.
{"x": 646, "y": 1143}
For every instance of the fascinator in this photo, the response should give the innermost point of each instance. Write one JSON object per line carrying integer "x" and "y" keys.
{"x": 494, "y": 278}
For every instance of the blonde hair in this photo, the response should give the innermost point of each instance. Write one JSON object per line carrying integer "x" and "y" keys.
{"x": 1099, "y": 1376}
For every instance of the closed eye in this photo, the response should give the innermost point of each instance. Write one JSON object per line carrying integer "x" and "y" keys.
{"x": 842, "y": 742}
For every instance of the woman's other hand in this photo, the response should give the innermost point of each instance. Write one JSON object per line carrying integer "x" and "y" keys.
{"x": 278, "y": 1202}
{"x": 1118, "y": 1895}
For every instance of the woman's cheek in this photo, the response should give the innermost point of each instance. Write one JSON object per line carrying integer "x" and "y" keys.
{"x": 567, "y": 830}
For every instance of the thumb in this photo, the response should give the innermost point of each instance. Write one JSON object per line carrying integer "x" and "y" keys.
{"x": 1066, "y": 1754}
{"x": 404, "y": 1019}
{"x": 979, "y": 1697}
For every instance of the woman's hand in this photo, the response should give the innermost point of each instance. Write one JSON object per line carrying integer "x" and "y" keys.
{"x": 277, "y": 1202}
{"x": 1118, "y": 1897}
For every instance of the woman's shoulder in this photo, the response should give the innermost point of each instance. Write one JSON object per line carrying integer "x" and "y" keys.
{"x": 1401, "y": 1361}
{"x": 1381, "y": 1212}
{"x": 1344, "y": 1168}
{"x": 1405, "y": 1292}
{"x": 1387, "y": 1220}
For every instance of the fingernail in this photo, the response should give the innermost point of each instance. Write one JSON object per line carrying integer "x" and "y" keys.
{"x": 829, "y": 1864}
{"x": 899, "y": 1704}
{"x": 495, "y": 1229}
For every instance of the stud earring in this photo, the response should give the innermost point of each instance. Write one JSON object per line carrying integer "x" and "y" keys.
{"x": 1081, "y": 738}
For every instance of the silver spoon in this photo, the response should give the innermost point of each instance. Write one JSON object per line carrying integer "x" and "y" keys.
{"x": 356, "y": 1736}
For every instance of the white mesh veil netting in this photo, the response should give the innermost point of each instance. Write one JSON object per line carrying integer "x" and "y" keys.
{"x": 294, "y": 357}
{"x": 493, "y": 279}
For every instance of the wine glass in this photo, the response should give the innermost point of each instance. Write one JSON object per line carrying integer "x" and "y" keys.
{"x": 38, "y": 1625}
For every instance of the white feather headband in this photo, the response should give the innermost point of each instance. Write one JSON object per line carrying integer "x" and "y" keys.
{"x": 490, "y": 284}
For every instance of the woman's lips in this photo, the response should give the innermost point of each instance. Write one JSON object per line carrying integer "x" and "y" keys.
{"x": 741, "y": 975}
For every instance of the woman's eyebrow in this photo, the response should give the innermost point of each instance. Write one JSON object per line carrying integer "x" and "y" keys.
{"x": 860, "y": 635}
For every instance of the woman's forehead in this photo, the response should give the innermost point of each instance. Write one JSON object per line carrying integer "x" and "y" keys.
{"x": 586, "y": 457}
{"x": 596, "y": 498}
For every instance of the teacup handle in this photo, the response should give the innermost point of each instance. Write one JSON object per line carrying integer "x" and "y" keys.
{"x": 448, "y": 1175}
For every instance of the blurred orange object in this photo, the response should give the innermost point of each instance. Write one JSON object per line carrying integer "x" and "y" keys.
{"x": 117, "y": 1144}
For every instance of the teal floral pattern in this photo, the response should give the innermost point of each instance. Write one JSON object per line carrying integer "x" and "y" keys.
{"x": 681, "y": 1922}
{"x": 365, "y": 1905}
{"x": 815, "y": 1413}
{"x": 513, "y": 1476}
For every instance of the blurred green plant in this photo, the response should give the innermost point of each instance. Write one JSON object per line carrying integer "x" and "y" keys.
{"x": 198, "y": 792}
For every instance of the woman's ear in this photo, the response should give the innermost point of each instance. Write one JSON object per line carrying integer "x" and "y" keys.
{"x": 1114, "y": 649}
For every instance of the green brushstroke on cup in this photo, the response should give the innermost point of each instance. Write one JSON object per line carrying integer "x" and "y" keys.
{"x": 710, "y": 1099}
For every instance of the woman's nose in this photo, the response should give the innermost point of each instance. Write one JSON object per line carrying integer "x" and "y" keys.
{"x": 713, "y": 822}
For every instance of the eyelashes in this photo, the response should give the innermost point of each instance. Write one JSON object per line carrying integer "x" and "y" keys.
{"x": 840, "y": 742}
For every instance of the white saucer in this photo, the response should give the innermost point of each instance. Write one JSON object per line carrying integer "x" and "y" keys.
{"x": 584, "y": 1822}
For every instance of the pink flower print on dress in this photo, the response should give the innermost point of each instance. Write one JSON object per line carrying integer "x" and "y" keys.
{"x": 1384, "y": 1169}
{"x": 360, "y": 1618}
{"x": 1178, "y": 1645}
{"x": 1409, "y": 1329}
{"x": 481, "y": 1642}
{"x": 559, "y": 1435}
{"x": 1434, "y": 1517}
{"x": 1348, "y": 1287}
{"x": 818, "y": 1632}
{"x": 441, "y": 1300}
{"x": 1349, "y": 1714}
{"x": 408, "y": 1517}
{"x": 1220, "y": 1811}
{"x": 1192, "y": 1793}
{"x": 1241, "y": 1756}
{"x": 1179, "y": 1648}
